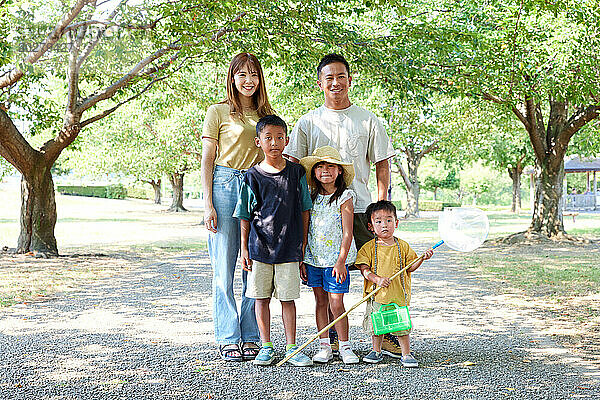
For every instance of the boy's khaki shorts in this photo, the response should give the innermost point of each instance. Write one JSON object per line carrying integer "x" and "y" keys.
{"x": 281, "y": 281}
{"x": 368, "y": 324}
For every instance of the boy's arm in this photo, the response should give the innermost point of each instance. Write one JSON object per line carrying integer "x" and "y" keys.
{"x": 243, "y": 209}
{"x": 305, "y": 222}
{"x": 244, "y": 254}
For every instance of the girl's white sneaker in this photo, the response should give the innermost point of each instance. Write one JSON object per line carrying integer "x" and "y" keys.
{"x": 324, "y": 355}
{"x": 348, "y": 356}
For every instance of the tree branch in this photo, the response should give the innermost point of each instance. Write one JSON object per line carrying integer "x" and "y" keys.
{"x": 578, "y": 120}
{"x": 403, "y": 173}
{"x": 94, "y": 42}
{"x": 73, "y": 72}
{"x": 515, "y": 110}
{"x": 110, "y": 91}
{"x": 433, "y": 146}
{"x": 113, "y": 109}
{"x": 539, "y": 146}
{"x": 13, "y": 146}
{"x": 59, "y": 30}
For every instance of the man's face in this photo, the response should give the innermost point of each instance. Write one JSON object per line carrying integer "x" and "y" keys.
{"x": 334, "y": 81}
{"x": 272, "y": 140}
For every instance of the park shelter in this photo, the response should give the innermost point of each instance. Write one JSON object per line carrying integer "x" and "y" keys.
{"x": 590, "y": 199}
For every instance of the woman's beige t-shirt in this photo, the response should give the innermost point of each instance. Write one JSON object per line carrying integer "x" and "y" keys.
{"x": 235, "y": 139}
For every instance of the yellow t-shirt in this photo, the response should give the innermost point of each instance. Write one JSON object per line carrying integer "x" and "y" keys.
{"x": 235, "y": 139}
{"x": 387, "y": 265}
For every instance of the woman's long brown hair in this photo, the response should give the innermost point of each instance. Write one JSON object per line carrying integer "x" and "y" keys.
{"x": 260, "y": 99}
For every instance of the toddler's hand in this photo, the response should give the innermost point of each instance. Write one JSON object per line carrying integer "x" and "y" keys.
{"x": 382, "y": 281}
{"x": 428, "y": 254}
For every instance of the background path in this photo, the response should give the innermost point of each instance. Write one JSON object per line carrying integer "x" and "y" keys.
{"x": 147, "y": 334}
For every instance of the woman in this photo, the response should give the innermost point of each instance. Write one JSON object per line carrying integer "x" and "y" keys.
{"x": 228, "y": 149}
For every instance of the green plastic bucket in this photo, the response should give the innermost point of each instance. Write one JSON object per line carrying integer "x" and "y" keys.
{"x": 390, "y": 318}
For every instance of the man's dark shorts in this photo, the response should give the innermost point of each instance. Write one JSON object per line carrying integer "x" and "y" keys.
{"x": 361, "y": 233}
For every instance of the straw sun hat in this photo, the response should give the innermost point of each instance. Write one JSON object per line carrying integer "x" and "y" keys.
{"x": 330, "y": 155}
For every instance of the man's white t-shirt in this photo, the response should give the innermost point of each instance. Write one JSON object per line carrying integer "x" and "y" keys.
{"x": 358, "y": 135}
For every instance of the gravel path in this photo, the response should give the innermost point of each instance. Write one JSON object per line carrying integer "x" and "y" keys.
{"x": 148, "y": 335}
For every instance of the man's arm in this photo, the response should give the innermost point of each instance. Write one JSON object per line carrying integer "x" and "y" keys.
{"x": 382, "y": 174}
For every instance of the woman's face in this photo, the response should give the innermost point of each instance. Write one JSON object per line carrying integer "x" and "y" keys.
{"x": 246, "y": 80}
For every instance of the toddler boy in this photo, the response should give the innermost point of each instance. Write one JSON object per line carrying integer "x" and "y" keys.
{"x": 379, "y": 259}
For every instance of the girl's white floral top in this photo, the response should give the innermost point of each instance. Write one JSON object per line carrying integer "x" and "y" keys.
{"x": 325, "y": 232}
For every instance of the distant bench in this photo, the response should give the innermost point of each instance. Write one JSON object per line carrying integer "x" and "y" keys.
{"x": 570, "y": 214}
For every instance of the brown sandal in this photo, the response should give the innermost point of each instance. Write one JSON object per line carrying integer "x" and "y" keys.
{"x": 250, "y": 351}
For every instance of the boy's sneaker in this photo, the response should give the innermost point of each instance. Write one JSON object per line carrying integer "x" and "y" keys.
{"x": 300, "y": 359}
{"x": 265, "y": 356}
{"x": 335, "y": 343}
{"x": 324, "y": 355}
{"x": 409, "y": 361}
{"x": 373, "y": 358}
{"x": 348, "y": 356}
{"x": 391, "y": 346}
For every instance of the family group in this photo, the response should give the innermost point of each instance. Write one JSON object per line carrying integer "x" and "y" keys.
{"x": 297, "y": 208}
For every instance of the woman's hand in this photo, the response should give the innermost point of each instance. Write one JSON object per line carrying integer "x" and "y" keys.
{"x": 210, "y": 219}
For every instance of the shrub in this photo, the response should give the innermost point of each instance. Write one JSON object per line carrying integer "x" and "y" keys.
{"x": 107, "y": 192}
{"x": 140, "y": 193}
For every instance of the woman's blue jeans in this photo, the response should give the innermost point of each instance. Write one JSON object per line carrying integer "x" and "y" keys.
{"x": 223, "y": 247}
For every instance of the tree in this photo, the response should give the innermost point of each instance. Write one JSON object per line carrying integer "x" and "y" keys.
{"x": 435, "y": 182}
{"x": 538, "y": 61}
{"x": 107, "y": 57}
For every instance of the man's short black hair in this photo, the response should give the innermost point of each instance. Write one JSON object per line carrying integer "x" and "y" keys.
{"x": 330, "y": 59}
{"x": 270, "y": 120}
{"x": 381, "y": 205}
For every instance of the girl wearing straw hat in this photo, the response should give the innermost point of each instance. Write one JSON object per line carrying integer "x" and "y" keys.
{"x": 330, "y": 246}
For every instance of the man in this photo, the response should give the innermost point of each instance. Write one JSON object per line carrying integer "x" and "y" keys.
{"x": 360, "y": 138}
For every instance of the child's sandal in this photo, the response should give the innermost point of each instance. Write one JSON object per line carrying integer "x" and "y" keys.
{"x": 231, "y": 352}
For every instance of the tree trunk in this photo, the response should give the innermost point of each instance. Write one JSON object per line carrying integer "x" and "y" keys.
{"x": 38, "y": 212}
{"x": 515, "y": 175}
{"x": 547, "y": 213}
{"x": 435, "y": 194}
{"x": 414, "y": 189}
{"x": 550, "y": 143}
{"x": 176, "y": 180}
{"x": 156, "y": 185}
